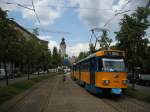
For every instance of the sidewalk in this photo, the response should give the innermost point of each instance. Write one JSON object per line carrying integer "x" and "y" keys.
{"x": 17, "y": 79}
{"x": 141, "y": 88}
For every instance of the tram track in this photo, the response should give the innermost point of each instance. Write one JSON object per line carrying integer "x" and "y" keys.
{"x": 112, "y": 106}
{"x": 144, "y": 105}
{"x": 53, "y": 95}
{"x": 49, "y": 96}
{"x": 125, "y": 104}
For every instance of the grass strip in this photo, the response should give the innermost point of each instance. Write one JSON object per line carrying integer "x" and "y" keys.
{"x": 139, "y": 95}
{"x": 8, "y": 92}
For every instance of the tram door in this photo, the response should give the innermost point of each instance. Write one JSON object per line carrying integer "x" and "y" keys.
{"x": 92, "y": 70}
{"x": 79, "y": 71}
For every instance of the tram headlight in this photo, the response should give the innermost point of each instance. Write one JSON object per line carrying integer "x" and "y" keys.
{"x": 125, "y": 82}
{"x": 106, "y": 82}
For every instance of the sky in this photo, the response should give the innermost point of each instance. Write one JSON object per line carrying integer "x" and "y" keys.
{"x": 71, "y": 19}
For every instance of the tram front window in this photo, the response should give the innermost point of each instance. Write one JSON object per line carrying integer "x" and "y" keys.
{"x": 113, "y": 65}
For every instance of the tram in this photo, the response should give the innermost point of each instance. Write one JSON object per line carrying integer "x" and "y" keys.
{"x": 102, "y": 72}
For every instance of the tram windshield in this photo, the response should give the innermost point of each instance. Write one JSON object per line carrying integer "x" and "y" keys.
{"x": 113, "y": 65}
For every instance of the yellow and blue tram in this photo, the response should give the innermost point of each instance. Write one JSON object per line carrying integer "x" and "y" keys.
{"x": 102, "y": 72}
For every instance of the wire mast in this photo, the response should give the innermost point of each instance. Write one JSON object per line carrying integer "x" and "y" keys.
{"x": 96, "y": 33}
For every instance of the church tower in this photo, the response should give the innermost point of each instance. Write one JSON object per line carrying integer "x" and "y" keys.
{"x": 62, "y": 47}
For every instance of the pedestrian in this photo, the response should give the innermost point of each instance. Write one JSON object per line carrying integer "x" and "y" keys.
{"x": 64, "y": 78}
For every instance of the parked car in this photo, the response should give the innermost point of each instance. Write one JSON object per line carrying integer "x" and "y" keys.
{"x": 67, "y": 70}
{"x": 2, "y": 73}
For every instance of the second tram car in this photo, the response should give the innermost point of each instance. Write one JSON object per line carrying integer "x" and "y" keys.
{"x": 102, "y": 72}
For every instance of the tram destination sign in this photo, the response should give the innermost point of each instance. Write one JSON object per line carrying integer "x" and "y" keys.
{"x": 114, "y": 53}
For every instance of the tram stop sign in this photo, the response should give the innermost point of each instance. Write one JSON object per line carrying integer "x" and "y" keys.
{"x": 66, "y": 61}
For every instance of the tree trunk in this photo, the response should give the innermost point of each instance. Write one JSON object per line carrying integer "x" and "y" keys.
{"x": 32, "y": 68}
{"x": 28, "y": 72}
{"x": 12, "y": 69}
{"x": 133, "y": 80}
{"x": 38, "y": 70}
{"x": 6, "y": 74}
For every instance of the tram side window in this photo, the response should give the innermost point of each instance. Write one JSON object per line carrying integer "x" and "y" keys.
{"x": 77, "y": 68}
{"x": 74, "y": 68}
{"x": 81, "y": 67}
{"x": 100, "y": 65}
{"x": 88, "y": 66}
{"x": 93, "y": 65}
{"x": 85, "y": 66}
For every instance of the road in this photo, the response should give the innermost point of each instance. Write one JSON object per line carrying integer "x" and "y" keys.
{"x": 53, "y": 95}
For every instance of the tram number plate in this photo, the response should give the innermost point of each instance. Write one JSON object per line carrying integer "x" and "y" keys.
{"x": 116, "y": 81}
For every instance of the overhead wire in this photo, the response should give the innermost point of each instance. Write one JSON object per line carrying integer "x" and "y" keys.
{"x": 35, "y": 12}
{"x": 75, "y": 7}
{"x": 51, "y": 5}
{"x": 126, "y": 4}
{"x": 118, "y": 13}
{"x": 17, "y": 4}
{"x": 107, "y": 22}
{"x": 36, "y": 15}
{"x": 58, "y": 32}
{"x": 44, "y": 31}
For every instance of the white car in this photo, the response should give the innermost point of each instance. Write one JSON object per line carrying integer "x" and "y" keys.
{"x": 2, "y": 73}
{"x": 67, "y": 70}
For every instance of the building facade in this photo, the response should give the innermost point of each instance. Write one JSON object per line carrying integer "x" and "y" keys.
{"x": 11, "y": 67}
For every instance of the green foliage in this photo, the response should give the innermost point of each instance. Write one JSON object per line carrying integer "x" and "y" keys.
{"x": 92, "y": 48}
{"x": 131, "y": 37}
{"x": 105, "y": 41}
{"x": 17, "y": 49}
{"x": 83, "y": 55}
{"x": 57, "y": 59}
{"x": 35, "y": 31}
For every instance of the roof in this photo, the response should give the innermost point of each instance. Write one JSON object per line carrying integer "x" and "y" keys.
{"x": 25, "y": 30}
{"x": 22, "y": 28}
{"x": 90, "y": 56}
{"x": 100, "y": 53}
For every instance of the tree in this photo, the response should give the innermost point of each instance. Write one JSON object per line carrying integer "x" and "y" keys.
{"x": 9, "y": 42}
{"x": 35, "y": 31}
{"x": 105, "y": 41}
{"x": 82, "y": 55}
{"x": 131, "y": 37}
{"x": 29, "y": 53}
{"x": 57, "y": 59}
{"x": 92, "y": 48}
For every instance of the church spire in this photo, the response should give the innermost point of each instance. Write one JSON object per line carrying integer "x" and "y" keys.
{"x": 62, "y": 47}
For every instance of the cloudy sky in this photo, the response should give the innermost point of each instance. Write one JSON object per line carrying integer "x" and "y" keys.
{"x": 71, "y": 19}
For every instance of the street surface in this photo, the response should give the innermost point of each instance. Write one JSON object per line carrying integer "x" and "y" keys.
{"x": 54, "y": 95}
